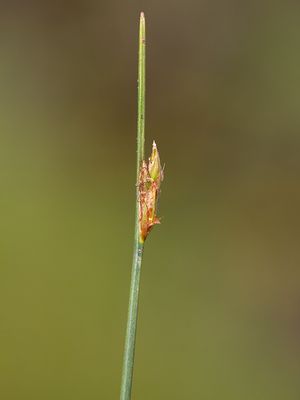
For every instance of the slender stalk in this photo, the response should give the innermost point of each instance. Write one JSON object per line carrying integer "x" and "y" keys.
{"x": 141, "y": 94}
{"x": 129, "y": 348}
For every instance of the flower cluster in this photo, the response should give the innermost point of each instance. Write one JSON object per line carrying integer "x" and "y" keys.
{"x": 150, "y": 178}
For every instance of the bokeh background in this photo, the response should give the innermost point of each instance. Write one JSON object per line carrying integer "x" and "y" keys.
{"x": 220, "y": 291}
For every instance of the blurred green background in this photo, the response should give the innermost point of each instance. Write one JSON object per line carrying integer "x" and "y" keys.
{"x": 220, "y": 291}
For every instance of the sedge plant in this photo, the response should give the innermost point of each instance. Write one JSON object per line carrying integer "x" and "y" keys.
{"x": 149, "y": 176}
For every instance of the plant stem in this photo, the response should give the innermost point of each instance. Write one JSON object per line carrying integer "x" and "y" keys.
{"x": 129, "y": 348}
{"x": 131, "y": 324}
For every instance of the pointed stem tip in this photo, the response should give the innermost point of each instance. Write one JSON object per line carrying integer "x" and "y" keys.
{"x": 142, "y": 15}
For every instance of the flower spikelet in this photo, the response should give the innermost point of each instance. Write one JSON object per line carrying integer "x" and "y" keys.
{"x": 150, "y": 178}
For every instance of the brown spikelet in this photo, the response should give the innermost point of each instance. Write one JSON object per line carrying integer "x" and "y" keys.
{"x": 150, "y": 178}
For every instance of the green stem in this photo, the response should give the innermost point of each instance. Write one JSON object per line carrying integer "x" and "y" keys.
{"x": 129, "y": 347}
{"x": 131, "y": 324}
{"x": 141, "y": 95}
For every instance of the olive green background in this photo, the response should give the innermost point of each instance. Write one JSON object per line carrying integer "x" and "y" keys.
{"x": 220, "y": 291}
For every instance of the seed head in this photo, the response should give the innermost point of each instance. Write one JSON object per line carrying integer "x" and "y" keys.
{"x": 150, "y": 178}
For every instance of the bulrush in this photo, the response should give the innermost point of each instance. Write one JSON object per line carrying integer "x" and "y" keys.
{"x": 148, "y": 180}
